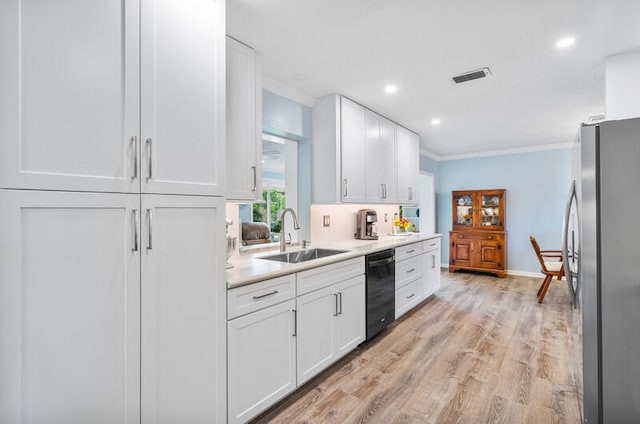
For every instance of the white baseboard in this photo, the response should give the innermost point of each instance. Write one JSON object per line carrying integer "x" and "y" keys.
{"x": 512, "y": 272}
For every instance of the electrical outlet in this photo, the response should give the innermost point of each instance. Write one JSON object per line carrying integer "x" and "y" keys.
{"x": 326, "y": 220}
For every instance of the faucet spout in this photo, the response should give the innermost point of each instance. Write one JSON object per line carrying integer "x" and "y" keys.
{"x": 296, "y": 226}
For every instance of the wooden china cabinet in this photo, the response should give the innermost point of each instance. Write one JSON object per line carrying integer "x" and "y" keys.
{"x": 478, "y": 240}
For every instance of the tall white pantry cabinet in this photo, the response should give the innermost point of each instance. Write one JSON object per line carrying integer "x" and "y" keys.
{"x": 112, "y": 282}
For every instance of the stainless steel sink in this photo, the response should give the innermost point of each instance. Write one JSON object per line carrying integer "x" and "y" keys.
{"x": 303, "y": 255}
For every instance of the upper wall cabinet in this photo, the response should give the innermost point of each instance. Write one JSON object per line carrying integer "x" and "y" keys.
{"x": 337, "y": 151}
{"x": 408, "y": 164}
{"x": 359, "y": 156}
{"x": 244, "y": 122}
{"x": 112, "y": 96}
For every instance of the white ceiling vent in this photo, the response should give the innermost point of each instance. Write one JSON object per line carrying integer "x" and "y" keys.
{"x": 472, "y": 75}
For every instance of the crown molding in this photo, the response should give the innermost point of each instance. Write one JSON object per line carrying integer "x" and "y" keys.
{"x": 285, "y": 91}
{"x": 513, "y": 151}
{"x": 430, "y": 154}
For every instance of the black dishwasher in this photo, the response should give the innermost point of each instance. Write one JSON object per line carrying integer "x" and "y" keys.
{"x": 381, "y": 291}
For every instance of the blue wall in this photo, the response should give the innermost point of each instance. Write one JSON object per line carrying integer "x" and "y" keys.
{"x": 537, "y": 186}
{"x": 429, "y": 165}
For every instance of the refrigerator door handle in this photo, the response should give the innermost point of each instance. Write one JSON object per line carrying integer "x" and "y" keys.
{"x": 571, "y": 272}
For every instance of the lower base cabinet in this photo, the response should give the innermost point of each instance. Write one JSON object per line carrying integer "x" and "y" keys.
{"x": 277, "y": 341}
{"x": 478, "y": 251}
{"x": 261, "y": 360}
{"x": 331, "y": 323}
{"x": 431, "y": 267}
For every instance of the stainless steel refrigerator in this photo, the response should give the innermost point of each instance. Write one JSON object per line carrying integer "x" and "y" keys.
{"x": 608, "y": 278}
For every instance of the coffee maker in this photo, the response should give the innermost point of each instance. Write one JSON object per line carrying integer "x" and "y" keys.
{"x": 365, "y": 224}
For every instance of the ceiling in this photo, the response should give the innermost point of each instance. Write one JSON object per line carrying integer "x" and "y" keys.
{"x": 536, "y": 96}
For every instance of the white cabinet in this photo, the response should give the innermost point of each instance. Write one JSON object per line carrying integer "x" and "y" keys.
{"x": 431, "y": 267}
{"x": 407, "y": 164}
{"x": 182, "y": 47}
{"x": 351, "y": 320}
{"x": 380, "y": 163}
{"x": 316, "y": 328}
{"x": 409, "y": 277}
{"x": 85, "y": 337}
{"x": 359, "y": 156}
{"x": 337, "y": 151}
{"x": 352, "y": 148}
{"x": 331, "y": 323}
{"x": 69, "y": 307}
{"x": 69, "y": 108}
{"x": 183, "y": 309}
{"x": 112, "y": 96}
{"x": 262, "y": 360}
{"x": 244, "y": 122}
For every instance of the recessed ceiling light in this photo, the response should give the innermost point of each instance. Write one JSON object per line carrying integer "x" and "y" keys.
{"x": 563, "y": 43}
{"x": 435, "y": 121}
{"x": 390, "y": 88}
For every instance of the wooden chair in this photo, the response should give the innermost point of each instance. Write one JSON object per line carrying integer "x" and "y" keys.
{"x": 550, "y": 269}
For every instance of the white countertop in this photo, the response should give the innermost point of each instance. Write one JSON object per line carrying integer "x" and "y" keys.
{"x": 249, "y": 268}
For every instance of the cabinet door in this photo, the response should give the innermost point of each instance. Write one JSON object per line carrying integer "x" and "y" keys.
{"x": 387, "y": 168}
{"x": 183, "y": 309}
{"x": 352, "y": 145}
{"x": 380, "y": 165}
{"x": 374, "y": 190}
{"x": 262, "y": 360}
{"x": 244, "y": 126}
{"x": 461, "y": 250}
{"x": 490, "y": 209}
{"x": 69, "y": 80}
{"x": 315, "y": 330}
{"x": 407, "y": 158}
{"x": 431, "y": 273}
{"x": 351, "y": 319}
{"x": 69, "y": 307}
{"x": 182, "y": 96}
{"x": 487, "y": 254}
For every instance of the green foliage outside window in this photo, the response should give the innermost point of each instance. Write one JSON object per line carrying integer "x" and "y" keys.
{"x": 274, "y": 200}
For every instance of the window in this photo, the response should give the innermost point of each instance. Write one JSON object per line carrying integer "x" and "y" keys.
{"x": 280, "y": 186}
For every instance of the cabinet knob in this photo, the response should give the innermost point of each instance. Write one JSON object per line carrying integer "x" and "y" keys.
{"x": 489, "y": 238}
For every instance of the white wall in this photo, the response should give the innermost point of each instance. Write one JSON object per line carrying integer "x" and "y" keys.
{"x": 622, "y": 86}
{"x": 343, "y": 222}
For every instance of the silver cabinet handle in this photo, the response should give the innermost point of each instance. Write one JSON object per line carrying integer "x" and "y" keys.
{"x": 346, "y": 191}
{"x": 410, "y": 193}
{"x": 410, "y": 251}
{"x": 382, "y": 191}
{"x": 150, "y": 229}
{"x": 255, "y": 178}
{"x": 149, "y": 144}
{"x": 134, "y": 163}
{"x": 433, "y": 261}
{"x": 335, "y": 298}
{"x": 295, "y": 322}
{"x": 134, "y": 223}
{"x": 340, "y": 295}
{"x": 412, "y": 294}
{"x": 411, "y": 270}
{"x": 265, "y": 295}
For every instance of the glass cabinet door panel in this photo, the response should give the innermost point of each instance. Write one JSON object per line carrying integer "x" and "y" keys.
{"x": 464, "y": 210}
{"x": 490, "y": 210}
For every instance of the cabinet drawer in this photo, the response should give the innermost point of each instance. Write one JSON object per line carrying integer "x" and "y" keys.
{"x": 324, "y": 276}
{"x": 408, "y": 270}
{"x": 253, "y": 297}
{"x": 407, "y": 297}
{"x": 431, "y": 244}
{"x": 476, "y": 236}
{"x": 408, "y": 251}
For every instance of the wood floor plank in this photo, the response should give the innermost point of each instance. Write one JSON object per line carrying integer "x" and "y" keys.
{"x": 482, "y": 350}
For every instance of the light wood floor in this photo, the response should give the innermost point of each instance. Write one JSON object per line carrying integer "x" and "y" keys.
{"x": 481, "y": 351}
